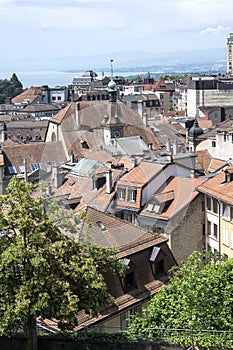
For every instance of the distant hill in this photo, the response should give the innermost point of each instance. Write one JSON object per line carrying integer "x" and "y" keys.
{"x": 185, "y": 61}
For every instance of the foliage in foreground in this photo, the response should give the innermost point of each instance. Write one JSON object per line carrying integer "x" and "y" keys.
{"x": 119, "y": 337}
{"x": 199, "y": 297}
{"x": 43, "y": 273}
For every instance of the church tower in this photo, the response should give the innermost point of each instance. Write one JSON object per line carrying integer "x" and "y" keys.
{"x": 113, "y": 126}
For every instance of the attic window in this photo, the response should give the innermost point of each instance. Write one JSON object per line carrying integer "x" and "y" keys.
{"x": 101, "y": 225}
{"x": 126, "y": 261}
{"x": 37, "y": 137}
{"x": 153, "y": 208}
{"x": 35, "y": 166}
{"x": 28, "y": 137}
{"x": 22, "y": 169}
{"x": 129, "y": 281}
{"x": 157, "y": 261}
{"x": 72, "y": 183}
{"x": 154, "y": 253}
{"x": 12, "y": 170}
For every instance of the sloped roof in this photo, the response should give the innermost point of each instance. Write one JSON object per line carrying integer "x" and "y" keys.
{"x": 81, "y": 188}
{"x": 36, "y": 152}
{"x": 218, "y": 187}
{"x": 127, "y": 238}
{"x": 29, "y": 94}
{"x": 184, "y": 192}
{"x": 141, "y": 174}
{"x": 205, "y": 162}
{"x": 160, "y": 85}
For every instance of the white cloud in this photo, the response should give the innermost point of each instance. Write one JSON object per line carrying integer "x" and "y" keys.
{"x": 215, "y": 30}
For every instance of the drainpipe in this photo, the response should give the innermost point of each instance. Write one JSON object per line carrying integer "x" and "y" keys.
{"x": 219, "y": 227}
{"x": 25, "y": 169}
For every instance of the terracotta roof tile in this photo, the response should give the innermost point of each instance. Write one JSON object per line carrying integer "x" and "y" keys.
{"x": 183, "y": 191}
{"x": 218, "y": 187}
{"x": 29, "y": 94}
{"x": 36, "y": 152}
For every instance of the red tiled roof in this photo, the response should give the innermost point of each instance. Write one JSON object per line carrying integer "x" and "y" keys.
{"x": 35, "y": 152}
{"x": 218, "y": 187}
{"x": 30, "y": 94}
{"x": 183, "y": 191}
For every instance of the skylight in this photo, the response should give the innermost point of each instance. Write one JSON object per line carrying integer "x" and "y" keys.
{"x": 101, "y": 225}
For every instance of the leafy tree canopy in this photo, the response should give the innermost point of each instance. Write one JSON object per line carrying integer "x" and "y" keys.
{"x": 199, "y": 297}
{"x": 43, "y": 273}
{"x": 10, "y": 88}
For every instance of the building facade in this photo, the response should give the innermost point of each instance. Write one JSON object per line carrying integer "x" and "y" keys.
{"x": 229, "y": 53}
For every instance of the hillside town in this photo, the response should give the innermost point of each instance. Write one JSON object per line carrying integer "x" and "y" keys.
{"x": 149, "y": 162}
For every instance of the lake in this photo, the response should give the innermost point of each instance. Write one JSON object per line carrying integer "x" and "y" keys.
{"x": 53, "y": 78}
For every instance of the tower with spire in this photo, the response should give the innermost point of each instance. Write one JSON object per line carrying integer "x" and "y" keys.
{"x": 112, "y": 124}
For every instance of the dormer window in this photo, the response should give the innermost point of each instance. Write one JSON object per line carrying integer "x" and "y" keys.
{"x": 121, "y": 191}
{"x": 129, "y": 281}
{"x": 101, "y": 225}
{"x": 132, "y": 193}
{"x": 157, "y": 261}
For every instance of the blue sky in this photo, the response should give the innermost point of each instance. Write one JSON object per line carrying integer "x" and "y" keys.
{"x": 35, "y": 33}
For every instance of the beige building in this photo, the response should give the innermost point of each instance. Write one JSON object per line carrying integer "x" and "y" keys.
{"x": 219, "y": 212}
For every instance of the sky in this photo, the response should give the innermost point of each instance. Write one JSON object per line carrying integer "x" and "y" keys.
{"x": 36, "y": 33}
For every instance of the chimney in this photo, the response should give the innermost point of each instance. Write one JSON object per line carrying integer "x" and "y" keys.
{"x": 175, "y": 147}
{"x": 168, "y": 145}
{"x": 140, "y": 108}
{"x": 72, "y": 157}
{"x": 48, "y": 190}
{"x": 150, "y": 146}
{"x": 134, "y": 162}
{"x": 192, "y": 173}
{"x": 77, "y": 115}
{"x": 109, "y": 181}
{"x": 57, "y": 176}
{"x": 145, "y": 119}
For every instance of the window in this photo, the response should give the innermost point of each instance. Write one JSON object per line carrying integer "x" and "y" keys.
{"x": 215, "y": 231}
{"x": 121, "y": 193}
{"x": 215, "y": 206}
{"x": 231, "y": 239}
{"x": 12, "y": 170}
{"x": 213, "y": 144}
{"x": 226, "y": 211}
{"x": 225, "y": 236}
{"x": 22, "y": 169}
{"x": 35, "y": 166}
{"x": 101, "y": 225}
{"x": 209, "y": 228}
{"x": 208, "y": 203}
{"x": 157, "y": 261}
{"x": 129, "y": 281}
{"x": 132, "y": 195}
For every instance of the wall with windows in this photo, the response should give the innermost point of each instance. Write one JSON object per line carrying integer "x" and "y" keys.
{"x": 221, "y": 147}
{"x": 226, "y": 224}
{"x": 219, "y": 226}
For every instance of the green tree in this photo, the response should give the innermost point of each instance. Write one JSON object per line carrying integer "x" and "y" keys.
{"x": 199, "y": 297}
{"x": 15, "y": 82}
{"x": 10, "y": 88}
{"x": 43, "y": 273}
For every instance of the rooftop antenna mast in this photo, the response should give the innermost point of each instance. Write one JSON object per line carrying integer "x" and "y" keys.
{"x": 111, "y": 60}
